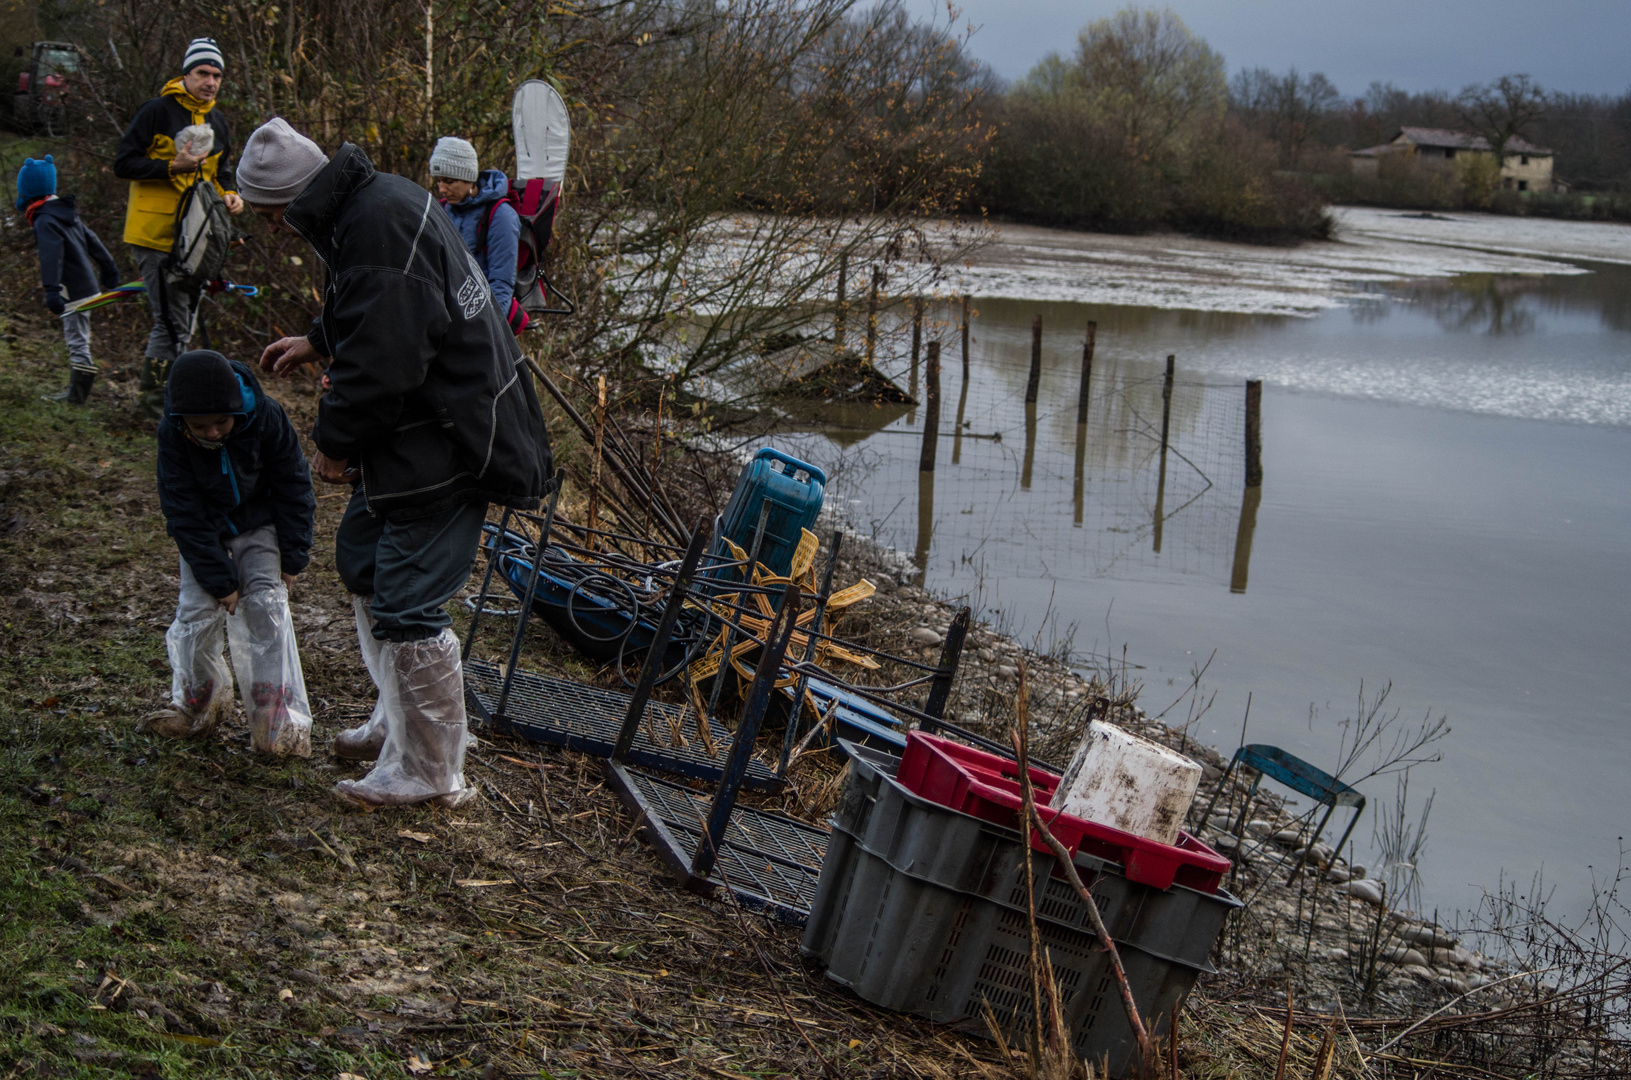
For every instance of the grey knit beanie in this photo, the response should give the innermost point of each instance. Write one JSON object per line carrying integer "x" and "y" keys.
{"x": 453, "y": 159}
{"x": 277, "y": 164}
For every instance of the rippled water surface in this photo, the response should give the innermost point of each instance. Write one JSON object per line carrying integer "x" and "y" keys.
{"x": 1446, "y": 505}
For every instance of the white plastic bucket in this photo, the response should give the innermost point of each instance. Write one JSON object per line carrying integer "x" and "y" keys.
{"x": 1120, "y": 779}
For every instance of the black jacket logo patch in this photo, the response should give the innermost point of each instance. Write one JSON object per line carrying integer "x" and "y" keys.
{"x": 473, "y": 293}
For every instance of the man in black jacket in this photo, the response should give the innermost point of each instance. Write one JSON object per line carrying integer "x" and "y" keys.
{"x": 237, "y": 498}
{"x": 431, "y": 414}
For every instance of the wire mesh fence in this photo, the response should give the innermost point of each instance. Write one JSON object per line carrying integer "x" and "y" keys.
{"x": 1023, "y": 490}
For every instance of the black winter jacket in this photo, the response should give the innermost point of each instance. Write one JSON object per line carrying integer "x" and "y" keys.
{"x": 71, "y": 256}
{"x": 429, "y": 391}
{"x": 258, "y": 477}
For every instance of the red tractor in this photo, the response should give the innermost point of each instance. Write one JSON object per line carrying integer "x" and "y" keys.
{"x": 44, "y": 88}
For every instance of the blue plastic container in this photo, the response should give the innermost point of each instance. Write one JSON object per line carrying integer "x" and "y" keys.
{"x": 793, "y": 489}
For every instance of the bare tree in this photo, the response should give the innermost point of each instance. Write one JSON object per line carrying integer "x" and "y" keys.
{"x": 1150, "y": 79}
{"x": 1503, "y": 110}
{"x": 1289, "y": 109}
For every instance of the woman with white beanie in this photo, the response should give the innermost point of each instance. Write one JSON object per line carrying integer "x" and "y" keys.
{"x": 476, "y": 201}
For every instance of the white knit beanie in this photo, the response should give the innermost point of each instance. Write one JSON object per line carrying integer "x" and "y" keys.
{"x": 453, "y": 159}
{"x": 277, "y": 164}
{"x": 202, "y": 51}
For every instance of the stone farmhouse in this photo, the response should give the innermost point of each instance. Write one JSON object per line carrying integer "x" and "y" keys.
{"x": 1527, "y": 167}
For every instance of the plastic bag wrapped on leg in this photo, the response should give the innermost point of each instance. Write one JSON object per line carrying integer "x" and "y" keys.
{"x": 363, "y": 742}
{"x": 426, "y": 735}
{"x": 200, "y": 680}
{"x": 274, "y": 695}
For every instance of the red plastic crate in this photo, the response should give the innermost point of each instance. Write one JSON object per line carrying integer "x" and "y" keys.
{"x": 986, "y": 786}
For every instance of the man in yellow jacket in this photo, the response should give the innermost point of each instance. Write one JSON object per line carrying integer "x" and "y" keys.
{"x": 163, "y": 152}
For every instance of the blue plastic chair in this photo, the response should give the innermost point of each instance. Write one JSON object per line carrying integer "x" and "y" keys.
{"x": 1300, "y": 776}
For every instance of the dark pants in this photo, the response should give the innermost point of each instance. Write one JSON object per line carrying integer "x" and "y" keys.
{"x": 409, "y": 568}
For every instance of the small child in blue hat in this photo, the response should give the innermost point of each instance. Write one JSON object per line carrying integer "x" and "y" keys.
{"x": 73, "y": 264}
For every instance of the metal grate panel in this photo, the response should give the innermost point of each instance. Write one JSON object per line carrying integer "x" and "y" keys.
{"x": 772, "y": 862}
{"x": 560, "y": 712}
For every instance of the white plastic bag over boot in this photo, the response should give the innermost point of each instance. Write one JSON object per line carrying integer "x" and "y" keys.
{"x": 270, "y": 683}
{"x": 426, "y": 736}
{"x": 200, "y": 680}
{"x": 363, "y": 742}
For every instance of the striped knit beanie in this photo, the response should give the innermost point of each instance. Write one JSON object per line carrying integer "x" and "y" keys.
{"x": 202, "y": 51}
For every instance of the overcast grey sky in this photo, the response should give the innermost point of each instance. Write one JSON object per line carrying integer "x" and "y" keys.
{"x": 1574, "y": 45}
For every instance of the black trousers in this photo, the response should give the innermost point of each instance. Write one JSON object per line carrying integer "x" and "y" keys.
{"x": 409, "y": 568}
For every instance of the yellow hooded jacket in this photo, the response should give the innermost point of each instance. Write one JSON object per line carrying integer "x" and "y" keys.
{"x": 144, "y": 158}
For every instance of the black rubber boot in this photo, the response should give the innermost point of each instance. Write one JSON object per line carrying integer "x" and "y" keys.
{"x": 154, "y": 374}
{"x": 79, "y": 386}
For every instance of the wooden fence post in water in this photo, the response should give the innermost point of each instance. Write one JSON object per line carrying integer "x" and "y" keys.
{"x": 1035, "y": 382}
{"x": 1254, "y": 433}
{"x": 931, "y": 409}
{"x": 1087, "y": 372}
{"x": 1166, "y": 428}
{"x": 1166, "y": 406}
{"x": 965, "y": 339}
{"x": 917, "y": 329}
{"x": 872, "y": 315}
{"x": 843, "y": 306}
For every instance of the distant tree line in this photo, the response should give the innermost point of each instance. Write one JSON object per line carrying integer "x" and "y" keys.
{"x": 1308, "y": 119}
{"x": 1139, "y": 128}
{"x": 1135, "y": 131}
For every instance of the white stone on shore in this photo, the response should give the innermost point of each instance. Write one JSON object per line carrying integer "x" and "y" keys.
{"x": 1453, "y": 982}
{"x": 1368, "y": 891}
{"x": 988, "y": 656}
{"x": 1259, "y": 827}
{"x": 922, "y": 635}
{"x": 1405, "y": 957}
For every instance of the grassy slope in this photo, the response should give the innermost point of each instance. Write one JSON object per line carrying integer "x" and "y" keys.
{"x": 188, "y": 909}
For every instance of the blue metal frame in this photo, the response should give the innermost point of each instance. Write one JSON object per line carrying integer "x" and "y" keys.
{"x": 1299, "y": 776}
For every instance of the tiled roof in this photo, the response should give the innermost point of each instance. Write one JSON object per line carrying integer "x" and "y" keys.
{"x": 1460, "y": 140}
{"x": 1442, "y": 137}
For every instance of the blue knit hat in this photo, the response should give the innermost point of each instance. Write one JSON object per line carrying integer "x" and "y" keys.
{"x": 35, "y": 180}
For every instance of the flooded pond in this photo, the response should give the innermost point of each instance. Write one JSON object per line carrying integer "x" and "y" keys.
{"x": 1445, "y": 506}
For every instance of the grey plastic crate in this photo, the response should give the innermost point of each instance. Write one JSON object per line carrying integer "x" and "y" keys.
{"x": 922, "y": 909}
{"x": 933, "y": 843}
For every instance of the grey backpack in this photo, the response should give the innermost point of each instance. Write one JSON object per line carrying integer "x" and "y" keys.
{"x": 204, "y": 237}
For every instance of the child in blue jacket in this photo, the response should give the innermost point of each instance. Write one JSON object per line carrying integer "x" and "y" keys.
{"x": 73, "y": 262}
{"x": 236, "y": 494}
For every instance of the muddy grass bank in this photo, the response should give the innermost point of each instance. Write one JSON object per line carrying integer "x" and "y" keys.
{"x": 187, "y": 909}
